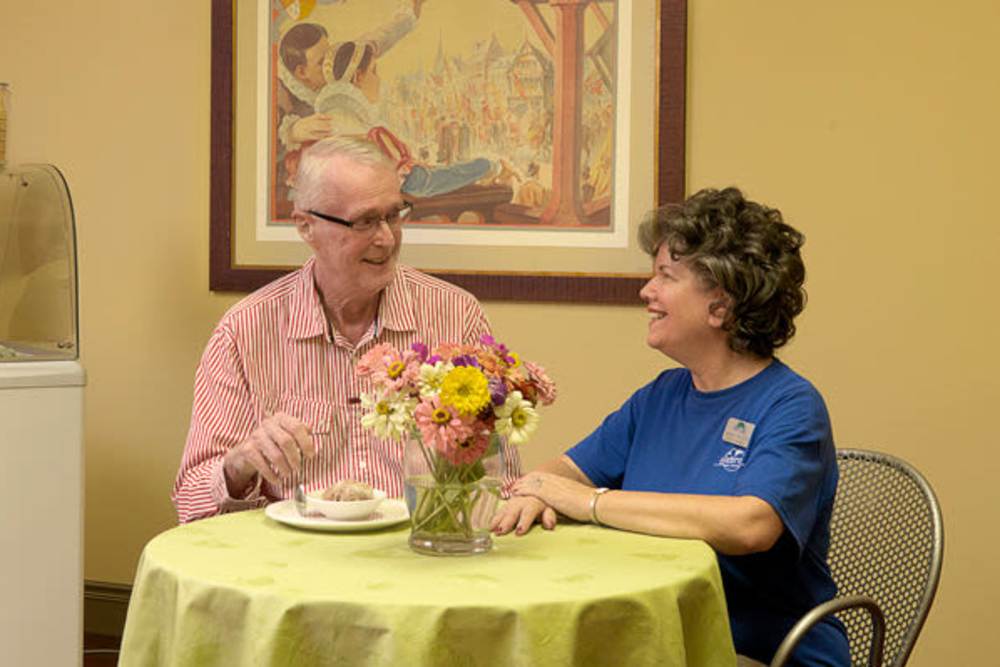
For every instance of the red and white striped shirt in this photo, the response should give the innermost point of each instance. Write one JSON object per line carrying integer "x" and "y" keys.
{"x": 274, "y": 351}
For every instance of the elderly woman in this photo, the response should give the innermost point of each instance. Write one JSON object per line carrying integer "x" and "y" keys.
{"x": 734, "y": 448}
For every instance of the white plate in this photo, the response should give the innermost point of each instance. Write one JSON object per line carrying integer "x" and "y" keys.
{"x": 389, "y": 513}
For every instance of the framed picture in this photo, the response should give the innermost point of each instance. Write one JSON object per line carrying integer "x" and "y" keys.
{"x": 531, "y": 137}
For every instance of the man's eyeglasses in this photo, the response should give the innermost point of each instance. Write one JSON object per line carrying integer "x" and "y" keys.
{"x": 369, "y": 223}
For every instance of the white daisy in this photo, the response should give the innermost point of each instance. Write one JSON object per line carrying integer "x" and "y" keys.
{"x": 430, "y": 378}
{"x": 517, "y": 419}
{"x": 389, "y": 415}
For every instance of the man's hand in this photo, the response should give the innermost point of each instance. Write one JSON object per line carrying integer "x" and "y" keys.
{"x": 521, "y": 513}
{"x": 274, "y": 450}
{"x": 565, "y": 495}
{"x": 311, "y": 128}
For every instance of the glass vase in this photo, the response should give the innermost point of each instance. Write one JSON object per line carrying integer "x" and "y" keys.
{"x": 451, "y": 502}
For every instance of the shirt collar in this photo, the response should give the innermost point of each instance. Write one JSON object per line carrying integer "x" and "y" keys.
{"x": 308, "y": 320}
{"x": 307, "y": 317}
{"x": 396, "y": 310}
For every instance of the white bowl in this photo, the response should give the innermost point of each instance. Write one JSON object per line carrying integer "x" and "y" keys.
{"x": 344, "y": 510}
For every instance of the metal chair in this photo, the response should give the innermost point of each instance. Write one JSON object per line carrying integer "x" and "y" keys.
{"x": 886, "y": 546}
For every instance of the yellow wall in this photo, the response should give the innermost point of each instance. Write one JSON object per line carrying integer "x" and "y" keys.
{"x": 872, "y": 125}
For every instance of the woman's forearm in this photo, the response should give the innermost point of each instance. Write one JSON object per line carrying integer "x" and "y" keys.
{"x": 733, "y": 525}
{"x": 563, "y": 466}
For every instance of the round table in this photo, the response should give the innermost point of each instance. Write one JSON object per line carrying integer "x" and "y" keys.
{"x": 242, "y": 589}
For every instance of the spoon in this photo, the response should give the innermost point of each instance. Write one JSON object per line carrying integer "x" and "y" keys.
{"x": 299, "y": 493}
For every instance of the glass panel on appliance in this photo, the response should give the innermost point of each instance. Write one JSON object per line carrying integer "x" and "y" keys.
{"x": 38, "y": 284}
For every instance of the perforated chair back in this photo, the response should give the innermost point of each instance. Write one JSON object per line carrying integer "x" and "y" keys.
{"x": 886, "y": 542}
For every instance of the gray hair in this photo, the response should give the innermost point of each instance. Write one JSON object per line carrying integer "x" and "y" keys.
{"x": 310, "y": 179}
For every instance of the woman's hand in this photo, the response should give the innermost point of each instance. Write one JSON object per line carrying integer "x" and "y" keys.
{"x": 565, "y": 495}
{"x": 519, "y": 514}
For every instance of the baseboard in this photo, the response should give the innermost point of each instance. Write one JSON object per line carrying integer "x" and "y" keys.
{"x": 104, "y": 607}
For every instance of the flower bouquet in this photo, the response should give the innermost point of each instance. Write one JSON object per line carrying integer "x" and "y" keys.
{"x": 452, "y": 407}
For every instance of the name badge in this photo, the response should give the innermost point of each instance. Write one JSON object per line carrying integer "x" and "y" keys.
{"x": 738, "y": 432}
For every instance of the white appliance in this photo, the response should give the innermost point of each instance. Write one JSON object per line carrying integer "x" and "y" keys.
{"x": 41, "y": 423}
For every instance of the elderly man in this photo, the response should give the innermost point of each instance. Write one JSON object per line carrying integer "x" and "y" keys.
{"x": 276, "y": 387}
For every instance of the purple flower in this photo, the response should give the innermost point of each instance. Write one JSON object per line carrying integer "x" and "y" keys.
{"x": 433, "y": 359}
{"x": 490, "y": 341}
{"x": 465, "y": 360}
{"x": 498, "y": 390}
{"x": 421, "y": 351}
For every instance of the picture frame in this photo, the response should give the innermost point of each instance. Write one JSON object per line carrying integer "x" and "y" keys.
{"x": 561, "y": 281}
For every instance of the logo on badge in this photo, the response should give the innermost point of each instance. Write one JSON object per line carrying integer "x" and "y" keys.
{"x": 738, "y": 432}
{"x": 732, "y": 460}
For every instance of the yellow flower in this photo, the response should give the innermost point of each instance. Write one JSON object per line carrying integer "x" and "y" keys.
{"x": 466, "y": 389}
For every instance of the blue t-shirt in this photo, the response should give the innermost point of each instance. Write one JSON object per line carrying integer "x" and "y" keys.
{"x": 767, "y": 437}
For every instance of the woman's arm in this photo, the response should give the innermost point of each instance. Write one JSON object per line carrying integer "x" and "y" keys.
{"x": 732, "y": 525}
{"x": 520, "y": 513}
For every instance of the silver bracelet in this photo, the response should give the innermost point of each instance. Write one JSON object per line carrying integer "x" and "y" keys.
{"x": 593, "y": 504}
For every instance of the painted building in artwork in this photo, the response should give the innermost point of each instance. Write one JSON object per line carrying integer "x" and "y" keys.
{"x": 530, "y": 79}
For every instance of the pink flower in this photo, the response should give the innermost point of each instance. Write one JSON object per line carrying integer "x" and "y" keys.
{"x": 377, "y": 358}
{"x": 543, "y": 383}
{"x": 441, "y": 426}
{"x": 389, "y": 369}
{"x": 412, "y": 361}
{"x": 469, "y": 450}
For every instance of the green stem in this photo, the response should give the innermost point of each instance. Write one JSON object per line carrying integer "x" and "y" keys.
{"x": 433, "y": 506}
{"x": 421, "y": 501}
{"x": 443, "y": 503}
{"x": 423, "y": 497}
{"x": 446, "y": 505}
{"x": 468, "y": 511}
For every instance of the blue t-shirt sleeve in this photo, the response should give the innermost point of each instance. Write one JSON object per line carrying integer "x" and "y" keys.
{"x": 602, "y": 455}
{"x": 790, "y": 462}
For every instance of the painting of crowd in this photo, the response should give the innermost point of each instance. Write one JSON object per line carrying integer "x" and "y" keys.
{"x": 497, "y": 103}
{"x": 471, "y": 128}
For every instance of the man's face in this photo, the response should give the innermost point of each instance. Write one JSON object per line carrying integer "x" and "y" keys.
{"x": 311, "y": 73}
{"x": 361, "y": 263}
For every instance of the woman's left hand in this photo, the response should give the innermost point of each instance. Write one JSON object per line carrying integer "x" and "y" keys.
{"x": 564, "y": 495}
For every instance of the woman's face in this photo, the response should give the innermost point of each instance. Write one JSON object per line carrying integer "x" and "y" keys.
{"x": 684, "y": 314}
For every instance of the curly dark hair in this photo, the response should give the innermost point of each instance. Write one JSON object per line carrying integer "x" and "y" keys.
{"x": 744, "y": 248}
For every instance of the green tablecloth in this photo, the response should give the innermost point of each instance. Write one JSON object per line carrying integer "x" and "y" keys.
{"x": 242, "y": 589}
